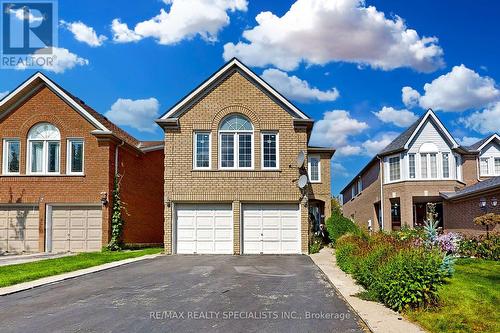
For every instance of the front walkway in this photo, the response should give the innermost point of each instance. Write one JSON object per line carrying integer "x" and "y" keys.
{"x": 13, "y": 259}
{"x": 376, "y": 316}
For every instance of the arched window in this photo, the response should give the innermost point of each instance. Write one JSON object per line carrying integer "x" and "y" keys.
{"x": 44, "y": 147}
{"x": 236, "y": 143}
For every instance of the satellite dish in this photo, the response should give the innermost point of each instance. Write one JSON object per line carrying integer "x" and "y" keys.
{"x": 301, "y": 158}
{"x": 302, "y": 182}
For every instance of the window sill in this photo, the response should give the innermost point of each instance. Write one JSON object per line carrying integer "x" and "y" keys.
{"x": 40, "y": 176}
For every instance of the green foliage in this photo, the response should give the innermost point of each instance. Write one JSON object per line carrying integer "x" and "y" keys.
{"x": 409, "y": 279}
{"x": 481, "y": 247}
{"x": 338, "y": 225}
{"x": 314, "y": 248}
{"x": 407, "y": 233}
{"x": 344, "y": 254}
{"x": 116, "y": 242}
{"x": 365, "y": 268}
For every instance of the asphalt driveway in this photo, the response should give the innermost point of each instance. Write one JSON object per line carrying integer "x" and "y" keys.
{"x": 187, "y": 293}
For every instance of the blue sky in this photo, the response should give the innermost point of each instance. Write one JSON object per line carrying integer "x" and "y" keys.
{"x": 343, "y": 62}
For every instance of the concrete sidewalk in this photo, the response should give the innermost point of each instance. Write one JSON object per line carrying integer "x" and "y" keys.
{"x": 14, "y": 259}
{"x": 378, "y": 318}
{"x": 70, "y": 275}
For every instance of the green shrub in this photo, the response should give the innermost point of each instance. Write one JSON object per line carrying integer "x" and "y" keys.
{"x": 316, "y": 245}
{"x": 338, "y": 225}
{"x": 365, "y": 267}
{"x": 344, "y": 253}
{"x": 409, "y": 279}
{"x": 480, "y": 247}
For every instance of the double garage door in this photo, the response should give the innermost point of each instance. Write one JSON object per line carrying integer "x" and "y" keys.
{"x": 75, "y": 229}
{"x": 267, "y": 228}
{"x": 19, "y": 229}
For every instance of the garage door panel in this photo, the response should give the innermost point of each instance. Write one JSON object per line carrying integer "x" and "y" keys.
{"x": 271, "y": 228}
{"x": 31, "y": 246}
{"x": 204, "y": 228}
{"x": 76, "y": 228}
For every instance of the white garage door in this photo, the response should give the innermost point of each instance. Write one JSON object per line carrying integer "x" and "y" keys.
{"x": 18, "y": 229}
{"x": 204, "y": 228}
{"x": 271, "y": 228}
{"x": 76, "y": 229}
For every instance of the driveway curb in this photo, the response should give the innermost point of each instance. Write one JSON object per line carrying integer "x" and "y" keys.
{"x": 377, "y": 317}
{"x": 70, "y": 275}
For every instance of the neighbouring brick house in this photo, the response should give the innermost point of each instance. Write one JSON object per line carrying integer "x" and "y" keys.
{"x": 58, "y": 162}
{"x": 424, "y": 164}
{"x": 231, "y": 170}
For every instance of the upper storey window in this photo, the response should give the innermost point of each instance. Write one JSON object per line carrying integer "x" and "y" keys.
{"x": 44, "y": 147}
{"x": 236, "y": 147}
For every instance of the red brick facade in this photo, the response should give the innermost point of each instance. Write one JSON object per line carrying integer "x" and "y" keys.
{"x": 142, "y": 185}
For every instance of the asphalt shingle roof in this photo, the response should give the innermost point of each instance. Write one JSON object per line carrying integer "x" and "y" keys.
{"x": 399, "y": 142}
{"x": 478, "y": 144}
{"x": 485, "y": 185}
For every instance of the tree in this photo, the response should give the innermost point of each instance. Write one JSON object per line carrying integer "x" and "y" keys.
{"x": 487, "y": 220}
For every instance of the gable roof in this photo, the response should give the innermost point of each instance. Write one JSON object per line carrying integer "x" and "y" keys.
{"x": 483, "y": 186}
{"x": 231, "y": 66}
{"x": 482, "y": 143}
{"x": 403, "y": 141}
{"x": 103, "y": 125}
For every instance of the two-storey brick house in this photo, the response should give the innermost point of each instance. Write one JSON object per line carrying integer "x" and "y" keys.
{"x": 58, "y": 161}
{"x": 231, "y": 173}
{"x": 424, "y": 164}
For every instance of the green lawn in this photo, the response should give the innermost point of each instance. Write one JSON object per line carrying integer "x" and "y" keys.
{"x": 14, "y": 274}
{"x": 468, "y": 303}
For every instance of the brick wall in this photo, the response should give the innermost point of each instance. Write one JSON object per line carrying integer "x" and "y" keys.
{"x": 235, "y": 94}
{"x": 459, "y": 215}
{"x": 469, "y": 169}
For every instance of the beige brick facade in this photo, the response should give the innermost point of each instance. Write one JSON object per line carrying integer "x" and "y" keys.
{"x": 184, "y": 184}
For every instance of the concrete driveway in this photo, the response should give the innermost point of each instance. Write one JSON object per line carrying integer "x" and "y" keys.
{"x": 187, "y": 293}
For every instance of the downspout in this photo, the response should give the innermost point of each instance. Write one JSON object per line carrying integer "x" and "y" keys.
{"x": 116, "y": 156}
{"x": 381, "y": 192}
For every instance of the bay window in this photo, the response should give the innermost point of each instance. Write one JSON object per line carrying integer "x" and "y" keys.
{"x": 433, "y": 165}
{"x": 497, "y": 166}
{"x": 11, "y": 151}
{"x": 411, "y": 161}
{"x": 446, "y": 165}
{"x": 394, "y": 168}
{"x": 270, "y": 151}
{"x": 43, "y": 149}
{"x": 236, "y": 143}
{"x": 75, "y": 156}
{"x": 423, "y": 165}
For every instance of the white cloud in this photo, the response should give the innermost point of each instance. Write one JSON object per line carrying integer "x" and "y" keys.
{"x": 348, "y": 150}
{"x": 339, "y": 170}
{"x": 468, "y": 140}
{"x": 401, "y": 118}
{"x": 410, "y": 97}
{"x": 84, "y": 33}
{"x": 3, "y": 94}
{"x": 185, "y": 20}
{"x": 32, "y": 16}
{"x": 297, "y": 89}
{"x": 459, "y": 90}
{"x": 484, "y": 122}
{"x": 335, "y": 128}
{"x": 373, "y": 147}
{"x": 321, "y": 31}
{"x": 138, "y": 114}
{"x": 63, "y": 60}
{"x": 122, "y": 34}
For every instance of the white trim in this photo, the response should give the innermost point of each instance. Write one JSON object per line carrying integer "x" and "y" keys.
{"x": 236, "y": 153}
{"x": 5, "y": 157}
{"x": 388, "y": 175}
{"x": 494, "y": 136}
{"x": 152, "y": 148}
{"x": 319, "y": 168}
{"x": 59, "y": 92}
{"x": 69, "y": 141}
{"x": 277, "y": 167}
{"x": 217, "y": 75}
{"x": 428, "y": 114}
{"x": 195, "y": 167}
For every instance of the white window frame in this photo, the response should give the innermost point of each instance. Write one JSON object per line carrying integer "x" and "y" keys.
{"x": 195, "y": 150}
{"x": 5, "y": 157}
{"x": 389, "y": 168}
{"x": 277, "y": 150}
{"x": 309, "y": 168}
{"x": 414, "y": 166}
{"x": 360, "y": 185}
{"x": 69, "y": 141}
{"x": 495, "y": 159}
{"x": 487, "y": 160}
{"x": 45, "y": 158}
{"x": 443, "y": 165}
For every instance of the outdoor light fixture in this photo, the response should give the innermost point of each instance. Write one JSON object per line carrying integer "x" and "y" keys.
{"x": 482, "y": 202}
{"x": 494, "y": 201}
{"x": 104, "y": 198}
